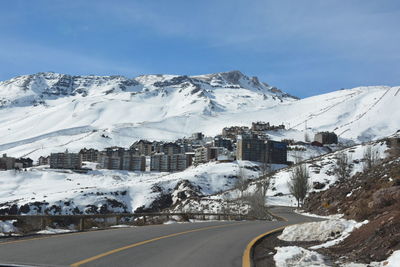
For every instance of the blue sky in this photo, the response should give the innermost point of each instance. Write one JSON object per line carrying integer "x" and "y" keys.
{"x": 302, "y": 47}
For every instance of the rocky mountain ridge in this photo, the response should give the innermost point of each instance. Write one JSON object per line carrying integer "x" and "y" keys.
{"x": 36, "y": 88}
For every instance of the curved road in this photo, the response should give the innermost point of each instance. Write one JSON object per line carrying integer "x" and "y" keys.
{"x": 187, "y": 244}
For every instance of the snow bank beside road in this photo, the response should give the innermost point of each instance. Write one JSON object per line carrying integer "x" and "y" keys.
{"x": 320, "y": 231}
{"x": 7, "y": 227}
{"x": 293, "y": 256}
{"x": 53, "y": 231}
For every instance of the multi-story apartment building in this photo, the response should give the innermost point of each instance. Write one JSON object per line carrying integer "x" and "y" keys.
{"x": 326, "y": 138}
{"x": 171, "y": 149}
{"x": 111, "y": 158}
{"x": 165, "y": 163}
{"x": 65, "y": 160}
{"x": 132, "y": 162}
{"x": 160, "y": 162}
{"x": 44, "y": 160}
{"x": 91, "y": 155}
{"x": 220, "y": 141}
{"x": 276, "y": 152}
{"x": 116, "y": 158}
{"x": 7, "y": 163}
{"x": 251, "y": 147}
{"x": 143, "y": 147}
{"x": 178, "y": 162}
{"x": 202, "y": 154}
{"x": 232, "y": 132}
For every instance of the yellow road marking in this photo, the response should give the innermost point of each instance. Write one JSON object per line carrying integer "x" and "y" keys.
{"x": 79, "y": 263}
{"x": 246, "y": 259}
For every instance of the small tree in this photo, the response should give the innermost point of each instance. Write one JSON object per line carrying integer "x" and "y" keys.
{"x": 241, "y": 181}
{"x": 370, "y": 158}
{"x": 298, "y": 184}
{"x": 265, "y": 179}
{"x": 256, "y": 202}
{"x": 343, "y": 166}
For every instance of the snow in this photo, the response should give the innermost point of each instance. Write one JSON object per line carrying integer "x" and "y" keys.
{"x": 122, "y": 226}
{"x": 71, "y": 190}
{"x": 7, "y": 227}
{"x": 78, "y": 110}
{"x": 321, "y": 170}
{"x": 393, "y": 260}
{"x": 54, "y": 231}
{"x": 171, "y": 222}
{"x": 292, "y": 256}
{"x": 333, "y": 230}
{"x": 333, "y": 216}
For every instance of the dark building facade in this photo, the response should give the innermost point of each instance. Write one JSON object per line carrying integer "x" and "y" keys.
{"x": 91, "y": 155}
{"x": 276, "y": 152}
{"x": 143, "y": 147}
{"x": 219, "y": 141}
{"x": 65, "y": 160}
{"x": 250, "y": 147}
{"x": 326, "y": 138}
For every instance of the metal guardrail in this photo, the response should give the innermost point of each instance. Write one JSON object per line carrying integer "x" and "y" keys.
{"x": 44, "y": 219}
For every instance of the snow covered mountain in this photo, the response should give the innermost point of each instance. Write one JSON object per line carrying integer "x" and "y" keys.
{"x": 48, "y": 112}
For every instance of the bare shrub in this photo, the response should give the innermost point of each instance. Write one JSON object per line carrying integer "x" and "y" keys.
{"x": 241, "y": 182}
{"x": 370, "y": 158}
{"x": 265, "y": 181}
{"x": 343, "y": 166}
{"x": 256, "y": 204}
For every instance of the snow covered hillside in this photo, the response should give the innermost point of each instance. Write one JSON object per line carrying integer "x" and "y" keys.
{"x": 43, "y": 190}
{"x": 322, "y": 176}
{"x": 48, "y": 112}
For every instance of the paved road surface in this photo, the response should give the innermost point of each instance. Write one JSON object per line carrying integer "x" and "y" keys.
{"x": 188, "y": 244}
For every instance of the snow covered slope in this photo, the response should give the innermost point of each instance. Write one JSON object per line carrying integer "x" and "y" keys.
{"x": 48, "y": 112}
{"x": 322, "y": 176}
{"x": 43, "y": 190}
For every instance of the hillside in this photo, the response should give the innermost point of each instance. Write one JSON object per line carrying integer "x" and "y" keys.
{"x": 43, "y": 190}
{"x": 322, "y": 177}
{"x": 48, "y": 112}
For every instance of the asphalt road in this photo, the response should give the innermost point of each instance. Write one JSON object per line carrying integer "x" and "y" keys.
{"x": 187, "y": 244}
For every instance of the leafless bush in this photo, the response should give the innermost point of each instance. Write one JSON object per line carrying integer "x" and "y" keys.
{"x": 298, "y": 184}
{"x": 370, "y": 158}
{"x": 265, "y": 181}
{"x": 343, "y": 166}
{"x": 256, "y": 202}
{"x": 241, "y": 182}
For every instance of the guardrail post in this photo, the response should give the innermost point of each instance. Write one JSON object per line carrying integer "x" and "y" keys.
{"x": 204, "y": 217}
{"x": 81, "y": 224}
{"x": 144, "y": 219}
{"x": 42, "y": 223}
